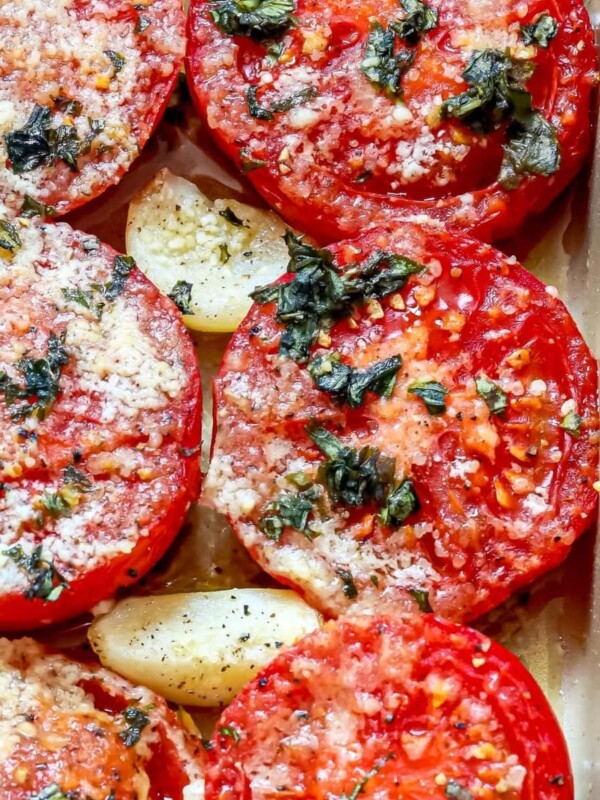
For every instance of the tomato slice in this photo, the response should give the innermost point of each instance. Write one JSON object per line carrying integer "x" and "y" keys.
{"x": 339, "y": 118}
{"x": 100, "y": 411}
{"x": 381, "y": 707}
{"x": 83, "y": 87}
{"x": 485, "y": 430}
{"x": 82, "y": 731}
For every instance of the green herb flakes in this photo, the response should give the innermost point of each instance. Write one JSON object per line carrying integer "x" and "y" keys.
{"x": 116, "y": 59}
{"x": 422, "y": 599}
{"x": 40, "y": 381}
{"x": 400, "y": 503}
{"x": 181, "y": 295}
{"x": 382, "y": 64}
{"x": 419, "y": 19}
{"x": 349, "y": 385}
{"x": 359, "y": 787}
{"x": 122, "y": 266}
{"x": 136, "y": 720}
{"x": 349, "y": 587}
{"x": 278, "y": 106}
{"x": 232, "y": 218}
{"x": 51, "y": 792}
{"x": 9, "y": 237}
{"x": 45, "y": 582}
{"x": 229, "y": 732}
{"x": 256, "y": 18}
{"x": 456, "y": 791}
{"x": 33, "y": 208}
{"x": 532, "y": 149}
{"x": 432, "y": 393}
{"x": 572, "y": 423}
{"x": 495, "y": 397}
{"x": 249, "y": 163}
{"x": 290, "y": 510}
{"x": 541, "y": 32}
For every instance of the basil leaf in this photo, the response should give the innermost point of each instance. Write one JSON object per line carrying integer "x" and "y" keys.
{"x": 379, "y": 275}
{"x": 248, "y": 163}
{"x": 256, "y": 18}
{"x": 76, "y": 478}
{"x": 279, "y": 106}
{"x": 541, "y": 32}
{"x": 381, "y": 64}
{"x": 353, "y": 477}
{"x": 401, "y": 502}
{"x": 422, "y": 598}
{"x": 532, "y": 149}
{"x": 230, "y": 732}
{"x": 33, "y": 208}
{"x": 9, "y": 237}
{"x": 51, "y": 792}
{"x": 122, "y": 266}
{"x": 495, "y": 397}
{"x": 41, "y": 378}
{"x": 359, "y": 786}
{"x": 432, "y": 393}
{"x": 290, "y": 510}
{"x": 349, "y": 385}
{"x": 232, "y": 218}
{"x": 254, "y": 107}
{"x": 136, "y": 720}
{"x": 572, "y": 423}
{"x": 419, "y": 18}
{"x": 349, "y": 588}
{"x": 45, "y": 582}
{"x": 181, "y": 295}
{"x": 116, "y": 59}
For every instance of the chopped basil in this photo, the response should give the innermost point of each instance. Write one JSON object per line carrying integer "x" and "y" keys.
{"x": 248, "y": 163}
{"x": 497, "y": 94}
{"x": 38, "y": 144}
{"x": 381, "y": 64}
{"x": 572, "y": 423}
{"x": 422, "y": 598}
{"x": 532, "y": 149}
{"x": 77, "y": 479}
{"x": 290, "y": 510}
{"x": 353, "y": 477}
{"x": 51, "y": 792}
{"x": 45, "y": 582}
{"x": 181, "y": 295}
{"x": 67, "y": 105}
{"x": 401, "y": 502}
{"x": 495, "y": 397}
{"x": 318, "y": 295}
{"x": 9, "y": 237}
{"x": 419, "y": 18}
{"x": 85, "y": 298}
{"x": 432, "y": 393}
{"x": 257, "y": 18}
{"x": 136, "y": 720}
{"x": 349, "y": 385}
{"x": 457, "y": 791}
{"x": 279, "y": 106}
{"x": 224, "y": 253}
{"x": 541, "y": 32}
{"x": 230, "y": 733}
{"x": 359, "y": 787}
{"x": 232, "y": 218}
{"x": 349, "y": 587}
{"x": 33, "y": 208}
{"x": 41, "y": 377}
{"x": 122, "y": 266}
{"x": 116, "y": 59}
{"x": 56, "y": 505}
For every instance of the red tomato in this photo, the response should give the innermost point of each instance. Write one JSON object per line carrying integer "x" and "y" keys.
{"x": 335, "y": 153}
{"x": 84, "y": 732}
{"x": 500, "y": 467}
{"x": 83, "y": 87}
{"x": 100, "y": 411}
{"x": 377, "y": 707}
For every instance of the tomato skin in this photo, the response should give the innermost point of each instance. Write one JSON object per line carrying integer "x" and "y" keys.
{"x": 322, "y": 202}
{"x": 486, "y": 541}
{"x": 349, "y": 676}
{"x": 176, "y": 459}
{"x": 77, "y": 744}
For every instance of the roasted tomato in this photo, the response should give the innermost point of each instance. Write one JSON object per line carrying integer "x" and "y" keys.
{"x": 393, "y": 709}
{"x": 82, "y": 86}
{"x": 352, "y": 114}
{"x": 99, "y": 423}
{"x": 73, "y": 731}
{"x": 406, "y": 411}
